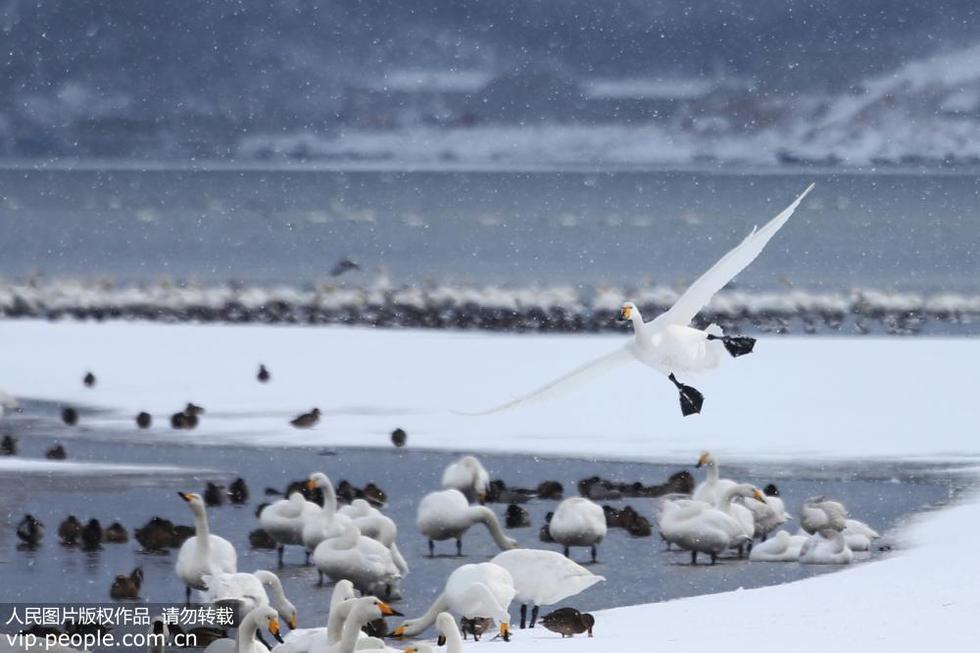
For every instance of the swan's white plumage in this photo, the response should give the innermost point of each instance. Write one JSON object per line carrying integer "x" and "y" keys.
{"x": 365, "y": 562}
{"x": 858, "y": 535}
{"x": 203, "y": 554}
{"x": 544, "y": 577}
{"x": 469, "y": 476}
{"x": 246, "y": 642}
{"x": 826, "y": 547}
{"x": 378, "y": 526}
{"x": 781, "y": 547}
{"x": 819, "y": 513}
{"x": 446, "y": 514}
{"x": 472, "y": 590}
{"x": 667, "y": 343}
{"x": 578, "y": 522}
{"x": 284, "y": 519}
{"x": 713, "y": 487}
{"x": 251, "y": 591}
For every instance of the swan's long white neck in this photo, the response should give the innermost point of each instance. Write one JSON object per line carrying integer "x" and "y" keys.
{"x": 454, "y": 643}
{"x": 416, "y": 626}
{"x": 352, "y": 627}
{"x": 201, "y": 530}
{"x": 246, "y": 634}
{"x": 329, "y": 498}
{"x": 637, "y": 319}
{"x": 337, "y": 620}
{"x": 487, "y": 516}
{"x": 712, "y": 471}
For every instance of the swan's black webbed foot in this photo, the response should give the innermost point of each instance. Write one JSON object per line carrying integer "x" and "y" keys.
{"x": 694, "y": 557}
{"x": 736, "y": 345}
{"x": 691, "y": 399}
{"x": 459, "y": 548}
{"x": 432, "y": 549}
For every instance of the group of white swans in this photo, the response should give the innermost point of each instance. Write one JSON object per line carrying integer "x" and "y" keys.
{"x": 355, "y": 546}
{"x": 724, "y": 514}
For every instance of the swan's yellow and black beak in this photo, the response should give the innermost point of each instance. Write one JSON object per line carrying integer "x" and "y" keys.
{"x": 388, "y": 611}
{"x": 441, "y": 640}
{"x": 505, "y": 631}
{"x": 398, "y": 632}
{"x": 703, "y": 460}
{"x": 184, "y": 496}
{"x": 274, "y": 629}
{"x": 759, "y": 496}
{"x": 292, "y": 622}
{"x": 625, "y": 312}
{"x": 311, "y": 485}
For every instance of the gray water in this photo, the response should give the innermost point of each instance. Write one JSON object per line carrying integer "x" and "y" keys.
{"x": 893, "y": 230}
{"x": 637, "y": 569}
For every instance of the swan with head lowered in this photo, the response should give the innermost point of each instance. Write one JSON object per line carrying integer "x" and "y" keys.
{"x": 447, "y": 515}
{"x": 284, "y": 521}
{"x": 543, "y": 578}
{"x": 364, "y": 562}
{"x": 668, "y": 343}
{"x": 469, "y": 476}
{"x": 826, "y": 547}
{"x": 376, "y": 525}
{"x": 820, "y": 513}
{"x": 473, "y": 590}
{"x": 782, "y": 547}
{"x": 578, "y": 522}
{"x": 203, "y": 554}
{"x": 249, "y": 591}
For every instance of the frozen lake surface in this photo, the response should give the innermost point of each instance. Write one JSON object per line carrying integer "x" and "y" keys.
{"x": 638, "y": 570}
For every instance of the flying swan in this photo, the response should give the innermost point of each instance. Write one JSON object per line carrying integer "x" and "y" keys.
{"x": 668, "y": 343}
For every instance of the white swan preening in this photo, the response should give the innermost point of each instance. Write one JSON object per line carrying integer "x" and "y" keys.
{"x": 769, "y": 514}
{"x": 284, "y": 520}
{"x": 578, "y": 522}
{"x": 820, "y": 513}
{"x": 378, "y": 526}
{"x": 473, "y": 590}
{"x": 668, "y": 343}
{"x": 365, "y": 562}
{"x": 782, "y": 547}
{"x": 469, "y": 476}
{"x": 447, "y": 515}
{"x": 826, "y": 547}
{"x": 699, "y": 527}
{"x": 250, "y": 591}
{"x": 203, "y": 554}
{"x": 543, "y": 578}
{"x": 250, "y": 625}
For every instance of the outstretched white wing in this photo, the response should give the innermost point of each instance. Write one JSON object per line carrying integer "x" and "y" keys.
{"x": 701, "y": 291}
{"x": 569, "y": 381}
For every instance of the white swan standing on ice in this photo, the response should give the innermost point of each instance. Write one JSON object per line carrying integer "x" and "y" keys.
{"x": 698, "y": 527}
{"x": 826, "y": 547}
{"x": 469, "y": 476}
{"x": 820, "y": 513}
{"x": 711, "y": 489}
{"x": 741, "y": 514}
{"x": 323, "y": 522}
{"x": 203, "y": 554}
{"x": 472, "y": 590}
{"x": 782, "y": 547}
{"x": 578, "y": 522}
{"x": 284, "y": 521}
{"x": 365, "y": 562}
{"x": 447, "y": 515}
{"x": 543, "y": 578}
{"x": 250, "y": 591}
{"x": 668, "y": 343}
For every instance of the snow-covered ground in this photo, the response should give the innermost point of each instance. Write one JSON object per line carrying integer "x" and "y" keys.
{"x": 795, "y": 399}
